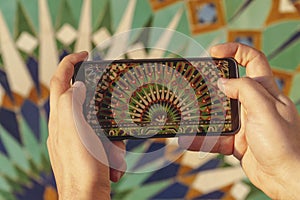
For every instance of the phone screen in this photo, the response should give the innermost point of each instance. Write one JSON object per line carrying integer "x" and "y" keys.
{"x": 158, "y": 97}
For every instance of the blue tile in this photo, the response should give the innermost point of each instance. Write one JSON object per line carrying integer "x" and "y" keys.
{"x": 31, "y": 114}
{"x": 212, "y": 195}
{"x": 164, "y": 173}
{"x": 37, "y": 188}
{"x": 9, "y": 122}
{"x": 175, "y": 190}
{"x": 211, "y": 164}
{"x": 47, "y": 108}
{"x": 155, "y": 154}
{"x": 131, "y": 144}
{"x": 4, "y": 83}
{"x": 33, "y": 69}
{"x": 34, "y": 191}
{"x": 2, "y": 148}
{"x": 63, "y": 54}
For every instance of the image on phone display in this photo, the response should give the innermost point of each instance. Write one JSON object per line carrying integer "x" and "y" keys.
{"x": 158, "y": 97}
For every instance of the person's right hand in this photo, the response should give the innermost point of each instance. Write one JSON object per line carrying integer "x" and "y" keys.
{"x": 268, "y": 143}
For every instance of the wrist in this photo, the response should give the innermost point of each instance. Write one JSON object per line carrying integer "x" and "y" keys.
{"x": 289, "y": 181}
{"x": 83, "y": 191}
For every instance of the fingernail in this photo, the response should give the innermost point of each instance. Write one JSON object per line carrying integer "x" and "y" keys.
{"x": 221, "y": 84}
{"x": 119, "y": 174}
{"x": 84, "y": 53}
{"x": 78, "y": 84}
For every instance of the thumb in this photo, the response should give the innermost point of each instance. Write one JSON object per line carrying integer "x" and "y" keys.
{"x": 85, "y": 132}
{"x": 79, "y": 94}
{"x": 252, "y": 95}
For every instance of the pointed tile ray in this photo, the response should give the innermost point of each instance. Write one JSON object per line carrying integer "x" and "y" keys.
{"x": 15, "y": 68}
{"x": 120, "y": 44}
{"x": 161, "y": 45}
{"x": 84, "y": 30}
{"x": 205, "y": 181}
{"x": 48, "y": 59}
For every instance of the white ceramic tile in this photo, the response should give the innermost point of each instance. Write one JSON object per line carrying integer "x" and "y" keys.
{"x": 240, "y": 190}
{"x": 16, "y": 70}
{"x": 119, "y": 44}
{"x": 85, "y": 28}
{"x": 286, "y": 6}
{"x": 231, "y": 160}
{"x": 211, "y": 180}
{"x": 172, "y": 141}
{"x": 27, "y": 43}
{"x": 48, "y": 55}
{"x": 66, "y": 34}
{"x": 195, "y": 158}
{"x": 101, "y": 38}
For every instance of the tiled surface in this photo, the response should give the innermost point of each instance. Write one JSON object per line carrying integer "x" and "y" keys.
{"x": 36, "y": 34}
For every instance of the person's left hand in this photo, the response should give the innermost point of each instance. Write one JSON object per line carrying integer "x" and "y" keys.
{"x": 74, "y": 148}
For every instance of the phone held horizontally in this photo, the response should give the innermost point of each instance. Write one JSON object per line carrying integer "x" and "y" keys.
{"x": 169, "y": 97}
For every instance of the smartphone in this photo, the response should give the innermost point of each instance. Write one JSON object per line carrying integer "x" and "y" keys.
{"x": 146, "y": 98}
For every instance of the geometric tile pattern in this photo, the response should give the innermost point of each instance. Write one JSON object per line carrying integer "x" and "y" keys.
{"x": 35, "y": 35}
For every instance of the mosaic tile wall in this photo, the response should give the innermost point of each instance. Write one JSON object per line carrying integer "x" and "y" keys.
{"x": 35, "y": 35}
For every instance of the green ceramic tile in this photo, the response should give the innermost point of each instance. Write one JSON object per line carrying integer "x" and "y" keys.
{"x": 131, "y": 181}
{"x": 141, "y": 17}
{"x": 298, "y": 107}
{"x": 65, "y": 16}
{"x": 289, "y": 58}
{"x": 117, "y": 9}
{"x": 295, "y": 92}
{"x": 4, "y": 186}
{"x": 30, "y": 9}
{"x": 181, "y": 37}
{"x": 9, "y": 9}
{"x": 54, "y": 8}
{"x": 99, "y": 8}
{"x": 30, "y": 143}
{"x": 258, "y": 196}
{"x": 15, "y": 151}
{"x": 205, "y": 40}
{"x": 24, "y": 23}
{"x": 249, "y": 20}
{"x": 43, "y": 129}
{"x": 147, "y": 191}
{"x": 75, "y": 7}
{"x": 231, "y": 7}
{"x": 162, "y": 18}
{"x": 6, "y": 195}
{"x": 44, "y": 136}
{"x": 279, "y": 32}
{"x": 132, "y": 159}
{"x": 7, "y": 167}
{"x": 142, "y": 14}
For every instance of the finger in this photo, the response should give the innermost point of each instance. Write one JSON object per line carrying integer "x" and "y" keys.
{"x": 116, "y": 151}
{"x": 86, "y": 134}
{"x": 256, "y": 63}
{"x": 212, "y": 144}
{"x": 60, "y": 81}
{"x": 253, "y": 97}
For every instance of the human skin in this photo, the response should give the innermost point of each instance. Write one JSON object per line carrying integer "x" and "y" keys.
{"x": 268, "y": 142}
{"x": 79, "y": 173}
